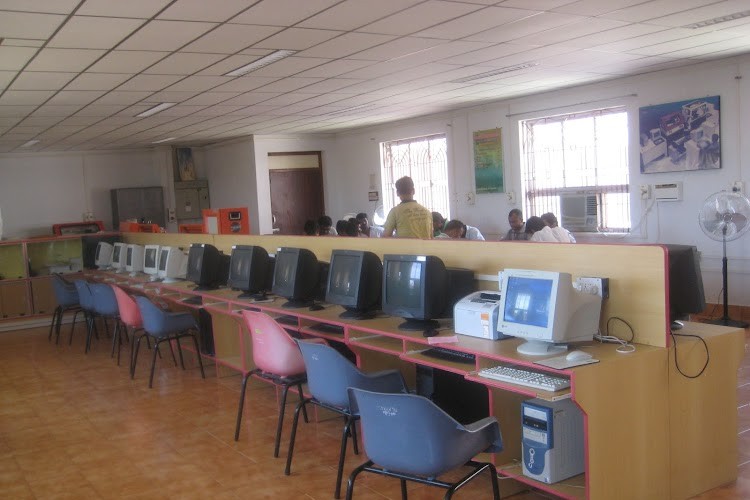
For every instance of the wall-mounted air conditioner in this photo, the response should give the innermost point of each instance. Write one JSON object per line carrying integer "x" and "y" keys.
{"x": 579, "y": 211}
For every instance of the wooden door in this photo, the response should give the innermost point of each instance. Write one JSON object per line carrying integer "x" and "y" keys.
{"x": 296, "y": 195}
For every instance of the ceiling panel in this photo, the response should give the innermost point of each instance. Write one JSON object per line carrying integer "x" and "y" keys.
{"x": 199, "y": 83}
{"x": 126, "y": 61}
{"x": 655, "y": 9}
{"x": 476, "y": 22}
{"x": 14, "y": 58}
{"x": 232, "y": 62}
{"x": 525, "y": 26}
{"x": 63, "y": 59}
{"x": 25, "y": 97}
{"x": 149, "y": 82}
{"x": 231, "y": 38}
{"x": 201, "y": 10}
{"x": 93, "y": 32}
{"x": 296, "y": 39}
{"x": 419, "y": 17}
{"x": 346, "y": 44}
{"x": 29, "y": 25}
{"x": 75, "y": 97}
{"x": 352, "y": 14}
{"x": 141, "y": 9}
{"x": 290, "y": 66}
{"x": 282, "y": 12}
{"x": 41, "y": 80}
{"x": 56, "y": 7}
{"x": 165, "y": 35}
{"x": 183, "y": 63}
{"x": 97, "y": 81}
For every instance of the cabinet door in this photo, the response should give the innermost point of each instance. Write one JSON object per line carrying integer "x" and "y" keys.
{"x": 187, "y": 203}
{"x": 13, "y": 299}
{"x": 42, "y": 296}
{"x": 12, "y": 263}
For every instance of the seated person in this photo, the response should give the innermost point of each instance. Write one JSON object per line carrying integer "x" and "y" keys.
{"x": 325, "y": 226}
{"x": 538, "y": 231}
{"x": 516, "y": 231}
{"x": 365, "y": 229}
{"x": 438, "y": 223}
{"x": 350, "y": 228}
{"x": 562, "y": 234}
{"x": 311, "y": 228}
{"x": 457, "y": 229}
{"x": 341, "y": 227}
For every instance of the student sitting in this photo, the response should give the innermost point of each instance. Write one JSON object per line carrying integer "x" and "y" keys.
{"x": 457, "y": 229}
{"x": 538, "y": 231}
{"x": 562, "y": 234}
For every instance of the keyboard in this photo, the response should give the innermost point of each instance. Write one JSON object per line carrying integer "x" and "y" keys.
{"x": 449, "y": 355}
{"x": 526, "y": 378}
{"x": 329, "y": 329}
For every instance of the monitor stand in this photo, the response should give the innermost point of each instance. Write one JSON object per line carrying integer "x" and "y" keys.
{"x": 357, "y": 315}
{"x": 539, "y": 348}
{"x": 297, "y": 304}
{"x": 418, "y": 325}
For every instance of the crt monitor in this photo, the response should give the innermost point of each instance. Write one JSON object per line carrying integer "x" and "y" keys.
{"x": 543, "y": 308}
{"x": 296, "y": 276}
{"x": 250, "y": 270}
{"x": 119, "y": 252}
{"x": 354, "y": 282}
{"x": 207, "y": 267}
{"x": 134, "y": 259}
{"x": 91, "y": 257}
{"x": 151, "y": 260}
{"x": 686, "y": 295}
{"x": 172, "y": 264}
{"x": 415, "y": 287}
{"x": 103, "y": 256}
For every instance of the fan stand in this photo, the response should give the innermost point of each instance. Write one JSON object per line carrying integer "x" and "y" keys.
{"x": 726, "y": 320}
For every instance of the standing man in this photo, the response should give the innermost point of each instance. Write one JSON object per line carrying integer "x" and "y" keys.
{"x": 516, "y": 231}
{"x": 408, "y": 218}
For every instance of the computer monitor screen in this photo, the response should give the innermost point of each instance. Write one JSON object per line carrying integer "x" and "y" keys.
{"x": 354, "y": 282}
{"x": 686, "y": 294}
{"x": 103, "y": 256}
{"x": 251, "y": 270}
{"x": 296, "y": 276}
{"x": 172, "y": 264}
{"x": 118, "y": 256}
{"x": 207, "y": 267}
{"x": 151, "y": 259}
{"x": 414, "y": 288}
{"x": 543, "y": 308}
{"x": 134, "y": 259}
{"x": 91, "y": 256}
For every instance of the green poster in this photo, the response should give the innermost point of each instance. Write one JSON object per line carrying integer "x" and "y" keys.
{"x": 488, "y": 161}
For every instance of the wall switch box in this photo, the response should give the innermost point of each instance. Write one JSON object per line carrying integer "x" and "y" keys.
{"x": 511, "y": 196}
{"x": 594, "y": 286}
{"x": 668, "y": 192}
{"x": 645, "y": 191}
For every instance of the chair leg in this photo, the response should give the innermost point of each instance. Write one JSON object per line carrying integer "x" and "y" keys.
{"x": 179, "y": 350}
{"x": 353, "y": 434}
{"x": 73, "y": 326}
{"x": 342, "y": 456}
{"x": 153, "y": 363}
{"x": 90, "y": 329}
{"x": 198, "y": 355}
{"x": 279, "y": 425}
{"x": 241, "y": 406}
{"x": 115, "y": 338}
{"x": 301, "y": 397}
{"x": 495, "y": 485}
{"x": 134, "y": 354}
{"x": 52, "y": 324}
{"x": 300, "y": 405}
{"x": 58, "y": 325}
{"x": 404, "y": 495}
{"x": 353, "y": 476}
{"x": 119, "y": 344}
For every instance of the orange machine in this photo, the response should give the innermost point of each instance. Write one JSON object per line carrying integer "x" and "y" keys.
{"x": 234, "y": 221}
{"x": 190, "y": 228}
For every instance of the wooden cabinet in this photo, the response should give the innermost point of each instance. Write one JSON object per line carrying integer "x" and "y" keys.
{"x": 42, "y": 296}
{"x": 14, "y": 301}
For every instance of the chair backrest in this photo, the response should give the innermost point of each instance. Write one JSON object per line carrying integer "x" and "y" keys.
{"x": 66, "y": 292}
{"x": 154, "y": 319}
{"x": 409, "y": 433}
{"x": 330, "y": 374}
{"x": 85, "y": 299}
{"x": 129, "y": 312}
{"x": 274, "y": 351}
{"x": 105, "y": 302}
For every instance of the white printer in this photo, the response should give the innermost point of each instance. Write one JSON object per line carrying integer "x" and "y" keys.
{"x": 476, "y": 315}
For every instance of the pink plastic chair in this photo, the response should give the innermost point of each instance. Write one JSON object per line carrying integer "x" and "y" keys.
{"x": 277, "y": 359}
{"x": 130, "y": 316}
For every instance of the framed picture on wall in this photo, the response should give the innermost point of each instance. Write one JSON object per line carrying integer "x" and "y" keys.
{"x": 679, "y": 136}
{"x": 488, "y": 161}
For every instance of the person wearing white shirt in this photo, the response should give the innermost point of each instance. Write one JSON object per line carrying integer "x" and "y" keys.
{"x": 539, "y": 232}
{"x": 562, "y": 234}
{"x": 457, "y": 229}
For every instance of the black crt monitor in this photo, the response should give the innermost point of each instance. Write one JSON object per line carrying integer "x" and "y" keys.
{"x": 207, "y": 267}
{"x": 414, "y": 288}
{"x": 354, "y": 282}
{"x": 250, "y": 270}
{"x": 296, "y": 276}
{"x": 90, "y": 247}
{"x": 686, "y": 294}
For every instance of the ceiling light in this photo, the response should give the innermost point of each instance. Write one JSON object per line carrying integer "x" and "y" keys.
{"x": 156, "y": 109}
{"x": 717, "y": 20}
{"x": 164, "y": 140}
{"x": 259, "y": 63}
{"x": 507, "y": 69}
{"x": 30, "y": 143}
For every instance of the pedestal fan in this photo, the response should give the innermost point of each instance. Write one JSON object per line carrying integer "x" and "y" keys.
{"x": 724, "y": 217}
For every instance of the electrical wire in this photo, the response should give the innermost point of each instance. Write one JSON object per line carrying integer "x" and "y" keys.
{"x": 626, "y": 346}
{"x": 677, "y": 363}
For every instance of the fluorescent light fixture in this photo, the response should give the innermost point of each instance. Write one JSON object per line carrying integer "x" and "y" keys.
{"x": 507, "y": 69}
{"x": 30, "y": 143}
{"x": 717, "y": 20}
{"x": 156, "y": 109}
{"x": 260, "y": 63}
{"x": 164, "y": 140}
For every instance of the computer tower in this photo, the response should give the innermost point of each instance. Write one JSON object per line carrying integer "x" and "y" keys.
{"x": 461, "y": 283}
{"x": 206, "y": 333}
{"x": 462, "y": 399}
{"x": 552, "y": 440}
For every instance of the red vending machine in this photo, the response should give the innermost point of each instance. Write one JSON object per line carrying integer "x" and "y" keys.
{"x": 234, "y": 221}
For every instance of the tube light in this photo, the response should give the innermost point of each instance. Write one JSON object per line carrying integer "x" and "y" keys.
{"x": 30, "y": 143}
{"x": 507, "y": 69}
{"x": 262, "y": 62}
{"x": 156, "y": 109}
{"x": 164, "y": 140}
{"x": 717, "y": 20}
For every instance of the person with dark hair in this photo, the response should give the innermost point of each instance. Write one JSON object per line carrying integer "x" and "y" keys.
{"x": 438, "y": 223}
{"x": 516, "y": 231}
{"x": 408, "y": 219}
{"x": 325, "y": 226}
{"x": 365, "y": 229}
{"x": 351, "y": 228}
{"x": 562, "y": 234}
{"x": 457, "y": 229}
{"x": 311, "y": 228}
{"x": 538, "y": 231}
{"x": 341, "y": 227}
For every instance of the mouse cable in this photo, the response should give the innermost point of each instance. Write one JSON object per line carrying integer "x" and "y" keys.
{"x": 677, "y": 363}
{"x": 626, "y": 346}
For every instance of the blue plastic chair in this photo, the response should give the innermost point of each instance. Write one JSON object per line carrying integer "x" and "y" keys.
{"x": 329, "y": 375}
{"x": 105, "y": 306}
{"x": 86, "y": 301}
{"x": 164, "y": 326}
{"x": 410, "y": 438}
{"x": 66, "y": 296}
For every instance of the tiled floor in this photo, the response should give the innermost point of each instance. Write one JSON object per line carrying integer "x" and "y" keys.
{"x": 75, "y": 426}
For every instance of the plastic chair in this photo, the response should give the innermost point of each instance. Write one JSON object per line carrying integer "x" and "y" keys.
{"x": 329, "y": 375}
{"x": 105, "y": 306}
{"x": 410, "y": 438}
{"x": 277, "y": 359}
{"x": 66, "y": 296}
{"x": 163, "y": 326}
{"x": 130, "y": 316}
{"x": 86, "y": 301}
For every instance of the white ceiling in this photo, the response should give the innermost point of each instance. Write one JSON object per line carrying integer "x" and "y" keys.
{"x": 75, "y": 73}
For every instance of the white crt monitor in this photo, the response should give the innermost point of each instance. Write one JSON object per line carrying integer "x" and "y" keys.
{"x": 151, "y": 260}
{"x": 544, "y": 308}
{"x": 103, "y": 256}
{"x": 134, "y": 259}
{"x": 172, "y": 264}
{"x": 119, "y": 254}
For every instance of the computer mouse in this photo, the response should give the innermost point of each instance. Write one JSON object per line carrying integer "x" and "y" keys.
{"x": 429, "y": 333}
{"x": 578, "y": 356}
{"x": 316, "y": 307}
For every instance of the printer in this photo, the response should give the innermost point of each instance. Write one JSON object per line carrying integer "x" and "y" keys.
{"x": 476, "y": 315}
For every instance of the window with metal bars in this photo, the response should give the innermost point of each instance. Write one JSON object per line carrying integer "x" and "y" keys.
{"x": 425, "y": 160}
{"x": 576, "y": 166}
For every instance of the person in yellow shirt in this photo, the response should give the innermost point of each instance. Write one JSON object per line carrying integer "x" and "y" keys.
{"x": 409, "y": 219}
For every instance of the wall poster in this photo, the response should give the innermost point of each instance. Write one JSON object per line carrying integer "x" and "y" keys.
{"x": 488, "y": 161}
{"x": 678, "y": 136}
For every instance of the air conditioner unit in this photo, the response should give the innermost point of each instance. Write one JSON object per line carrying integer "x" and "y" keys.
{"x": 579, "y": 211}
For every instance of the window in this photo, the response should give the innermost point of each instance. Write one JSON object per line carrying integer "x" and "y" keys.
{"x": 576, "y": 166}
{"x": 425, "y": 160}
